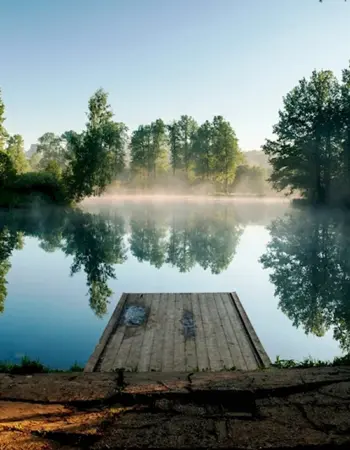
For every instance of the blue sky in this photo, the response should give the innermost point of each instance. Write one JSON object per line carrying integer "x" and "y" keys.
{"x": 163, "y": 58}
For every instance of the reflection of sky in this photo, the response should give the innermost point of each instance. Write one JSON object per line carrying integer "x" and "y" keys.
{"x": 47, "y": 314}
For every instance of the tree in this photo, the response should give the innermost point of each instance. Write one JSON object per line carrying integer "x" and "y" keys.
{"x": 3, "y": 132}
{"x": 98, "y": 154}
{"x": 345, "y": 122}
{"x": 147, "y": 149}
{"x": 305, "y": 155}
{"x": 175, "y": 146}
{"x": 187, "y": 129}
{"x": 7, "y": 171}
{"x": 203, "y": 151}
{"x": 225, "y": 151}
{"x": 250, "y": 179}
{"x": 51, "y": 148}
{"x": 15, "y": 150}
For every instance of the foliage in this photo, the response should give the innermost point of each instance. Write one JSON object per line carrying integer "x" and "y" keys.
{"x": 3, "y": 132}
{"x": 16, "y": 153}
{"x": 311, "y": 151}
{"x": 308, "y": 256}
{"x": 29, "y": 366}
{"x": 7, "y": 171}
{"x": 44, "y": 183}
{"x": 51, "y": 148}
{"x": 250, "y": 179}
{"x": 96, "y": 155}
{"x": 147, "y": 149}
{"x": 309, "y": 362}
{"x": 96, "y": 244}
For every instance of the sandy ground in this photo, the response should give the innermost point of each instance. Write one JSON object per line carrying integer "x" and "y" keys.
{"x": 272, "y": 409}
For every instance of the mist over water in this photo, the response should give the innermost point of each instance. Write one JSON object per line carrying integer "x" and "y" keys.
{"x": 66, "y": 269}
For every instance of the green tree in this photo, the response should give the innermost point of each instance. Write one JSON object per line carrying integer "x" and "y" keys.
{"x": 15, "y": 150}
{"x": 51, "y": 148}
{"x": 203, "y": 151}
{"x": 345, "y": 122}
{"x": 7, "y": 171}
{"x": 187, "y": 129}
{"x": 175, "y": 146}
{"x": 98, "y": 154}
{"x": 147, "y": 150}
{"x": 3, "y": 132}
{"x": 306, "y": 153}
{"x": 225, "y": 151}
{"x": 250, "y": 179}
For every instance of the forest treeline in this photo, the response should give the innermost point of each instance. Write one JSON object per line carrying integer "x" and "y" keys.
{"x": 178, "y": 155}
{"x": 311, "y": 151}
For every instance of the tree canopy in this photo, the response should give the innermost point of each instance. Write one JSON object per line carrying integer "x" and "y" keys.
{"x": 312, "y": 146}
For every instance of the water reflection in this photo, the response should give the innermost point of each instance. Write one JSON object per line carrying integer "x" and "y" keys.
{"x": 98, "y": 242}
{"x": 95, "y": 244}
{"x": 309, "y": 259}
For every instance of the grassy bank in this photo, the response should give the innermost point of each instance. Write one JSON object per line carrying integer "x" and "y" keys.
{"x": 30, "y": 366}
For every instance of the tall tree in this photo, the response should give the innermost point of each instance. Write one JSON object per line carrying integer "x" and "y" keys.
{"x": 3, "y": 132}
{"x": 225, "y": 150}
{"x": 345, "y": 122}
{"x": 98, "y": 154}
{"x": 174, "y": 146}
{"x": 305, "y": 154}
{"x": 203, "y": 151}
{"x": 147, "y": 149}
{"x": 51, "y": 148}
{"x": 187, "y": 129}
{"x": 15, "y": 150}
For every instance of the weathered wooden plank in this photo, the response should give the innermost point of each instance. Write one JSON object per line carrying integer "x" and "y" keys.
{"x": 180, "y": 332}
{"x": 159, "y": 335}
{"x": 179, "y": 338}
{"x": 217, "y": 323}
{"x": 241, "y": 334}
{"x": 210, "y": 337}
{"x": 191, "y": 362}
{"x": 144, "y": 301}
{"x": 232, "y": 341}
{"x": 201, "y": 345}
{"x": 116, "y": 333}
{"x": 151, "y": 328}
{"x": 129, "y": 332}
{"x": 263, "y": 359}
{"x": 168, "y": 349}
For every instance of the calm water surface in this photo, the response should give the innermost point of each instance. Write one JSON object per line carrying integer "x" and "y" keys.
{"x": 62, "y": 272}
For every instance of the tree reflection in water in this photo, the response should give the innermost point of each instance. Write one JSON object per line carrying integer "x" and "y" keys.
{"x": 309, "y": 259}
{"x": 97, "y": 243}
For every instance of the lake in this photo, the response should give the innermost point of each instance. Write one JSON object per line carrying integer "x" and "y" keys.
{"x": 62, "y": 271}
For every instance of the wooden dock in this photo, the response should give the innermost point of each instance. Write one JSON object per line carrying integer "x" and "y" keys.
{"x": 177, "y": 333}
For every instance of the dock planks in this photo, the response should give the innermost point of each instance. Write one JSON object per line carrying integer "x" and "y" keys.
{"x": 178, "y": 332}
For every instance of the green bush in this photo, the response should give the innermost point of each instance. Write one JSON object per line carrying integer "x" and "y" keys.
{"x": 44, "y": 183}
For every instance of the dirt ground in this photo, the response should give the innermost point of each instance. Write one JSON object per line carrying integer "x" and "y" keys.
{"x": 272, "y": 409}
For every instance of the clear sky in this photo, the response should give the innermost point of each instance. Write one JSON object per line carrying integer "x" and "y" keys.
{"x": 163, "y": 58}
